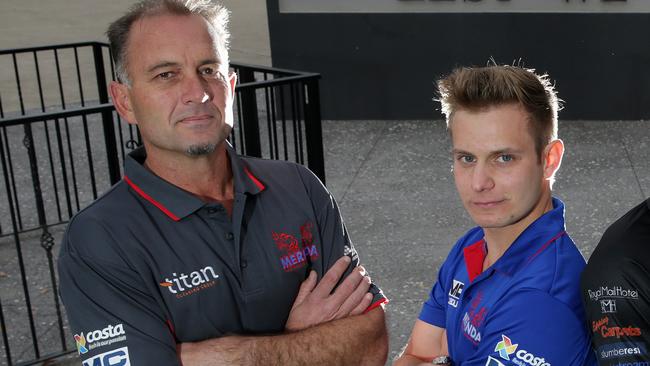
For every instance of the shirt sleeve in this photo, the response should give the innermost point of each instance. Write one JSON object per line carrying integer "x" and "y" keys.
{"x": 434, "y": 309}
{"x": 532, "y": 328}
{"x": 333, "y": 233}
{"x": 111, "y": 313}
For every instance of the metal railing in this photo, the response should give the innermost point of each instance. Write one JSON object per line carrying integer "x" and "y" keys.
{"x": 62, "y": 144}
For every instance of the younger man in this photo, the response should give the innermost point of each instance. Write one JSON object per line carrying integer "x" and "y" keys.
{"x": 508, "y": 293}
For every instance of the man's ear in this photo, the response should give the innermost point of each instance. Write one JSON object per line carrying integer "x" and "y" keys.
{"x": 122, "y": 101}
{"x": 552, "y": 158}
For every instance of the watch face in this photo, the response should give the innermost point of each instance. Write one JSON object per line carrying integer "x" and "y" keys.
{"x": 442, "y": 360}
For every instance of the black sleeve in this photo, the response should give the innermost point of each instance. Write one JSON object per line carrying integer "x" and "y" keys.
{"x": 111, "y": 312}
{"x": 334, "y": 235}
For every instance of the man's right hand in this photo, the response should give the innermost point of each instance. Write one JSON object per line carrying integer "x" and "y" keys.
{"x": 316, "y": 304}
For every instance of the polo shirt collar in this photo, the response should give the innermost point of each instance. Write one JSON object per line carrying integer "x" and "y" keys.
{"x": 537, "y": 237}
{"x": 175, "y": 202}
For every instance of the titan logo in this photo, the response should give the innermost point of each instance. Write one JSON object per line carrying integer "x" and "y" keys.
{"x": 186, "y": 282}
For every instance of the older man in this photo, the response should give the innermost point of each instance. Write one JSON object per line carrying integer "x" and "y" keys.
{"x": 200, "y": 256}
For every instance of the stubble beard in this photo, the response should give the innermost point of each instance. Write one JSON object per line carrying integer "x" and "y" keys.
{"x": 201, "y": 149}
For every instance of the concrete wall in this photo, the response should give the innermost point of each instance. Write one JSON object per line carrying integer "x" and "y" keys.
{"x": 384, "y": 65}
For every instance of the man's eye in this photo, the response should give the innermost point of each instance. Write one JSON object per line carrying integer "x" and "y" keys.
{"x": 467, "y": 159}
{"x": 207, "y": 71}
{"x": 505, "y": 158}
{"x": 165, "y": 75}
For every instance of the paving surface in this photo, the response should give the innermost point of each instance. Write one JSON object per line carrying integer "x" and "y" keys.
{"x": 392, "y": 178}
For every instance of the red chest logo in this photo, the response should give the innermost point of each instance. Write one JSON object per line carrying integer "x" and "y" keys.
{"x": 296, "y": 254}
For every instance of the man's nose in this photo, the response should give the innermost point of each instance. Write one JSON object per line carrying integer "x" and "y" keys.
{"x": 196, "y": 90}
{"x": 482, "y": 178}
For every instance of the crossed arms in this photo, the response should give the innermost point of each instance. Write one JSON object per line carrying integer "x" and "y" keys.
{"x": 323, "y": 328}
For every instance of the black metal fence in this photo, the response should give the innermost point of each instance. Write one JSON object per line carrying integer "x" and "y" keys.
{"x": 62, "y": 144}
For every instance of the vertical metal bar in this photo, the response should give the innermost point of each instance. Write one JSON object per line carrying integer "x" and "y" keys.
{"x": 52, "y": 172}
{"x": 249, "y": 110}
{"x": 72, "y": 168}
{"x": 275, "y": 125}
{"x": 294, "y": 113}
{"x": 284, "y": 124}
{"x": 28, "y": 142}
{"x": 240, "y": 126}
{"x": 5, "y": 338}
{"x": 89, "y": 155}
{"x": 58, "y": 77}
{"x": 47, "y": 242}
{"x": 81, "y": 88}
{"x": 300, "y": 110}
{"x": 2, "y": 115}
{"x": 64, "y": 171}
{"x": 47, "y": 140}
{"x": 38, "y": 79}
{"x": 13, "y": 178}
{"x": 20, "y": 91}
{"x": 107, "y": 116}
{"x": 314, "y": 130}
{"x": 267, "y": 100}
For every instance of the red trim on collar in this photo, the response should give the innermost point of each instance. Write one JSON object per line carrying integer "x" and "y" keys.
{"x": 150, "y": 199}
{"x": 255, "y": 180}
{"x": 474, "y": 256}
{"x": 541, "y": 249}
{"x": 381, "y": 301}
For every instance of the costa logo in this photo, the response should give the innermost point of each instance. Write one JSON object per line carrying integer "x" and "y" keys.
{"x": 531, "y": 359}
{"x": 110, "y": 331}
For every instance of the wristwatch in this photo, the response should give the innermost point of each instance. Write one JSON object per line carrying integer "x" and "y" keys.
{"x": 442, "y": 360}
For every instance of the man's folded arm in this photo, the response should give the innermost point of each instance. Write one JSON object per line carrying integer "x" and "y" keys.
{"x": 355, "y": 340}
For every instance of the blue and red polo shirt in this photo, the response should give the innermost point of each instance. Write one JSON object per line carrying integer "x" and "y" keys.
{"x": 524, "y": 310}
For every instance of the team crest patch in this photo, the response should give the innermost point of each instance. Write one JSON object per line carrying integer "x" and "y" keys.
{"x": 296, "y": 253}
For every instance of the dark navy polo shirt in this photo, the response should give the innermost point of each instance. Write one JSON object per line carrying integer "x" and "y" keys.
{"x": 148, "y": 265}
{"x": 616, "y": 291}
{"x": 524, "y": 310}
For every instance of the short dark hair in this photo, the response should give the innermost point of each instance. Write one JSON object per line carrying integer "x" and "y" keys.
{"x": 477, "y": 88}
{"x": 118, "y": 32}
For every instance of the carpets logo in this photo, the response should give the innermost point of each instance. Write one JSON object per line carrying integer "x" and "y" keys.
{"x": 116, "y": 357}
{"x": 608, "y": 306}
{"x": 185, "y": 285}
{"x": 296, "y": 255}
{"x": 491, "y": 361}
{"x": 606, "y": 292}
{"x": 621, "y": 349}
{"x": 505, "y": 348}
{"x": 522, "y": 357}
{"x": 99, "y": 338}
{"x": 602, "y": 327}
{"x": 80, "y": 340}
{"x": 454, "y": 293}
